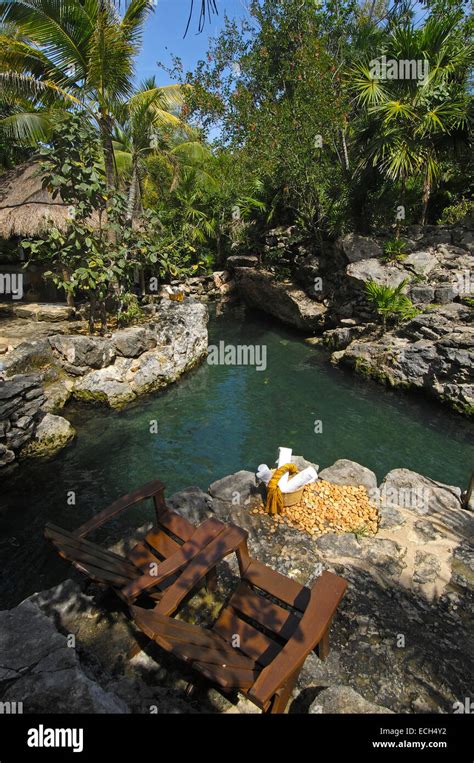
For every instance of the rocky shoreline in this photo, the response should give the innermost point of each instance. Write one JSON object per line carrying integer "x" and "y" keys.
{"x": 401, "y": 640}
{"x": 42, "y": 375}
{"x": 325, "y": 297}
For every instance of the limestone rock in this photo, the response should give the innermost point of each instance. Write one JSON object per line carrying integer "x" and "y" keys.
{"x": 57, "y": 395}
{"x": 344, "y": 699}
{"x": 44, "y": 312}
{"x": 235, "y": 488}
{"x": 192, "y": 503}
{"x": 241, "y": 261}
{"x": 260, "y": 289}
{"x": 81, "y": 353}
{"x": 374, "y": 270}
{"x": 357, "y": 248}
{"x": 345, "y": 472}
{"x": 104, "y": 387}
{"x": 132, "y": 341}
{"x": 52, "y": 434}
{"x": 421, "y": 263}
{"x": 40, "y": 670}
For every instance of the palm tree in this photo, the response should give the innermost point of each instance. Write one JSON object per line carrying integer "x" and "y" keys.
{"x": 70, "y": 54}
{"x": 150, "y": 123}
{"x": 406, "y": 125}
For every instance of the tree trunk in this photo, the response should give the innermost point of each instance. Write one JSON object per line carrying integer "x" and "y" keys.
{"x": 344, "y": 150}
{"x": 103, "y": 318}
{"x": 142, "y": 282}
{"x": 425, "y": 199}
{"x": 133, "y": 195}
{"x": 92, "y": 305}
{"x": 69, "y": 294}
{"x": 108, "y": 151}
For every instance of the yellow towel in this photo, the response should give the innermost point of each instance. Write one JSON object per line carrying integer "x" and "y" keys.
{"x": 274, "y": 495}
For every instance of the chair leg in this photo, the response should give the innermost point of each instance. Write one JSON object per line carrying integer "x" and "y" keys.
{"x": 281, "y": 698}
{"x": 136, "y": 649}
{"x": 323, "y": 646}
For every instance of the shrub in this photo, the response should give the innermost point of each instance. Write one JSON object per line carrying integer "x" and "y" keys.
{"x": 394, "y": 250}
{"x": 390, "y": 302}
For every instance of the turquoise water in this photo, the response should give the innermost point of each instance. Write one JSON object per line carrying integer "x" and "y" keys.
{"x": 215, "y": 421}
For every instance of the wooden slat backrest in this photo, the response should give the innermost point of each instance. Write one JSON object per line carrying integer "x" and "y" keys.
{"x": 58, "y": 535}
{"x": 202, "y": 536}
{"x": 326, "y": 593}
{"x": 151, "y": 489}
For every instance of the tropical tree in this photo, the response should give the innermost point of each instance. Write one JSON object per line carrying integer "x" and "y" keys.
{"x": 69, "y": 54}
{"x": 150, "y": 123}
{"x": 408, "y": 125}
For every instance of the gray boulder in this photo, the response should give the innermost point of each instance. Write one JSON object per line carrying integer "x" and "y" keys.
{"x": 260, "y": 289}
{"x": 345, "y": 472}
{"x": 357, "y": 248}
{"x": 363, "y": 271}
{"x": 192, "y": 503}
{"x": 52, "y": 434}
{"x": 235, "y": 488}
{"x": 78, "y": 354}
{"x": 104, "y": 387}
{"x": 344, "y": 699}
{"x": 241, "y": 261}
{"x": 132, "y": 342}
{"x": 40, "y": 670}
{"x": 422, "y": 295}
{"x": 421, "y": 263}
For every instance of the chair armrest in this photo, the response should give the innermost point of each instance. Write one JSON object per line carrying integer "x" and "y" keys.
{"x": 202, "y": 536}
{"x": 146, "y": 491}
{"x": 326, "y": 593}
{"x": 224, "y": 544}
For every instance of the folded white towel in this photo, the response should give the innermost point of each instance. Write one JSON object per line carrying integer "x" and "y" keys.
{"x": 301, "y": 479}
{"x": 264, "y": 474}
{"x": 284, "y": 456}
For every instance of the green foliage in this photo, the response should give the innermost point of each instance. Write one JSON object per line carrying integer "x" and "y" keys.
{"x": 278, "y": 96}
{"x": 97, "y": 253}
{"x": 407, "y": 128}
{"x": 456, "y": 213}
{"x": 394, "y": 250}
{"x": 130, "y": 311}
{"x": 390, "y": 302}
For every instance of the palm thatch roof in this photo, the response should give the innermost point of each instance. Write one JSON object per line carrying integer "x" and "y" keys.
{"x": 26, "y": 209}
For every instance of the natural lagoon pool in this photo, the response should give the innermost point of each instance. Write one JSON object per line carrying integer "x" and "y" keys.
{"x": 216, "y": 420}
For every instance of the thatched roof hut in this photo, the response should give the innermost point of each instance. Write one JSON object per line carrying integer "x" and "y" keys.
{"x": 26, "y": 209}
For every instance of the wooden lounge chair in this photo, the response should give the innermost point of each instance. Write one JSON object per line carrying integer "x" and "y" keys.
{"x": 141, "y": 570}
{"x": 261, "y": 638}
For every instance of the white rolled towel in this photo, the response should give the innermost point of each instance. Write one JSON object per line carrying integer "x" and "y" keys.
{"x": 284, "y": 456}
{"x": 299, "y": 480}
{"x": 264, "y": 474}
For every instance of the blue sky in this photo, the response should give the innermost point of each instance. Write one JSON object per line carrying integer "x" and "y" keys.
{"x": 164, "y": 35}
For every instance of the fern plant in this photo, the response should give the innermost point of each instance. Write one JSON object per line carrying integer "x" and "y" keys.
{"x": 390, "y": 301}
{"x": 394, "y": 250}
